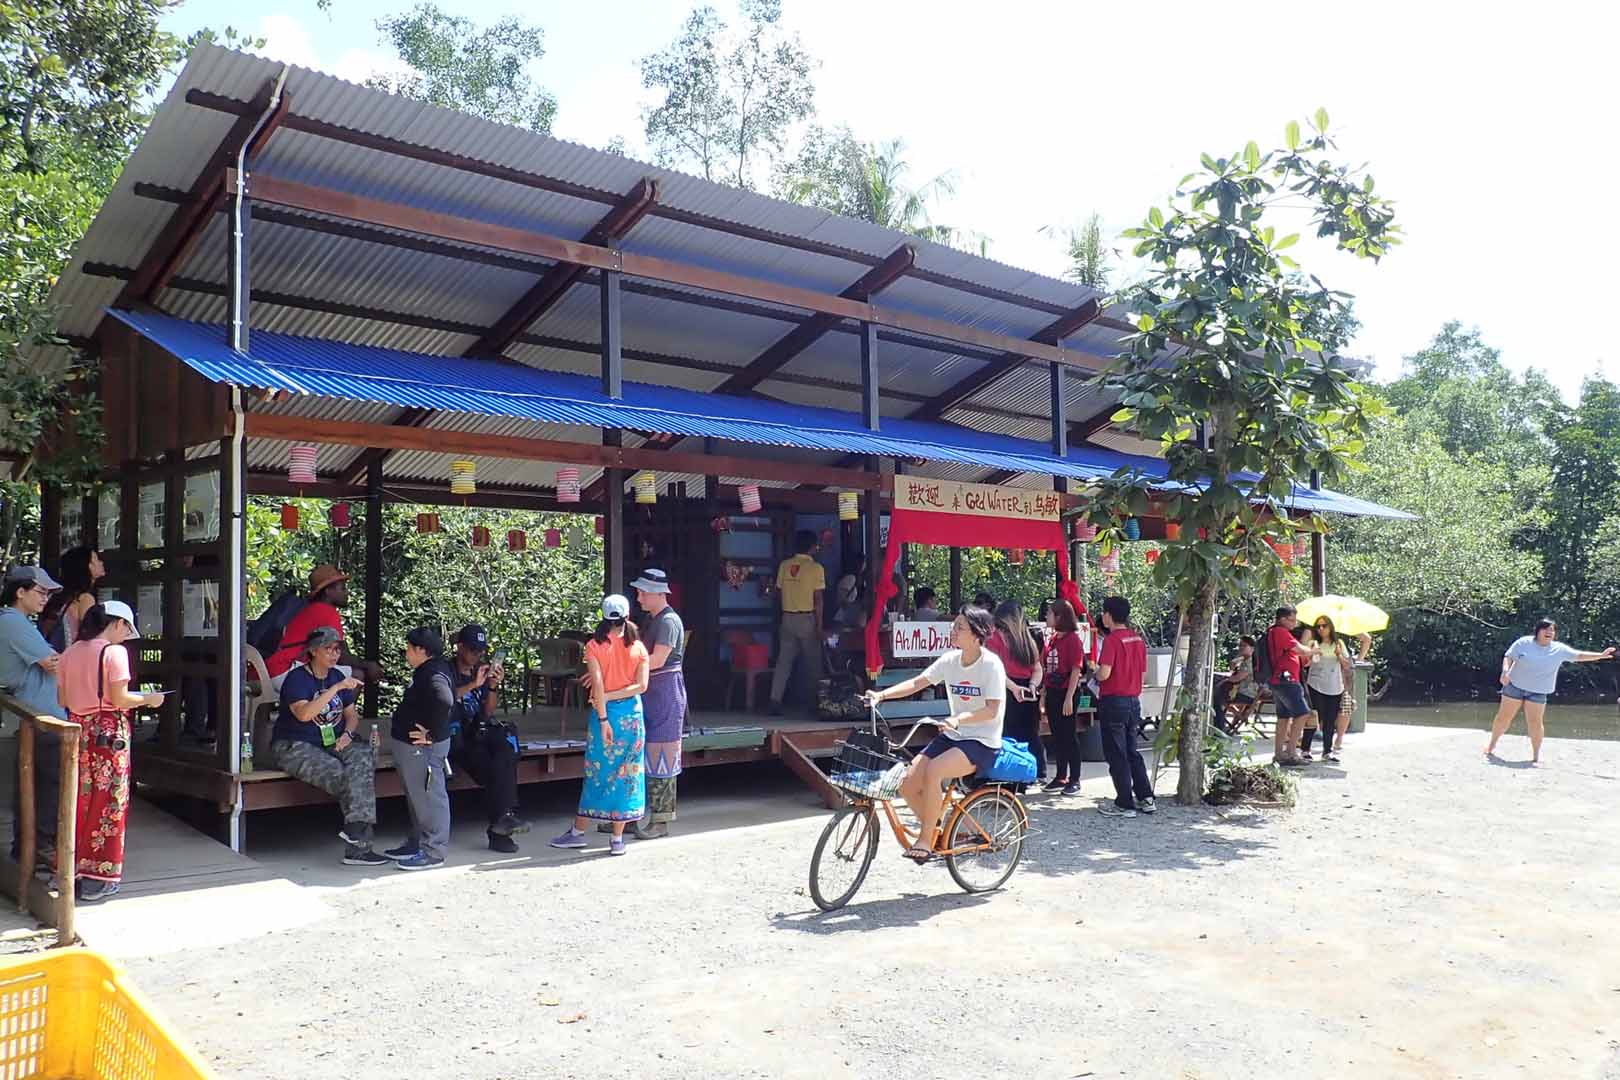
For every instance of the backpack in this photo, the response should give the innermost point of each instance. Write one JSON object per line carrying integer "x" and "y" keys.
{"x": 265, "y": 632}
{"x": 1014, "y": 764}
{"x": 1262, "y": 661}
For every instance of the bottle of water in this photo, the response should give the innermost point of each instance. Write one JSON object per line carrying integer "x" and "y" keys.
{"x": 247, "y": 749}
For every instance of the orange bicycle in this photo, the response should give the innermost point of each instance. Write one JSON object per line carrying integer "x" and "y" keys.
{"x": 981, "y": 841}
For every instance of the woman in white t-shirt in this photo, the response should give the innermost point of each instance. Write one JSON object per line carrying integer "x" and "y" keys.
{"x": 968, "y": 739}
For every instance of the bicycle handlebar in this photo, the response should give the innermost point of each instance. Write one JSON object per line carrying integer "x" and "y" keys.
{"x": 877, "y": 718}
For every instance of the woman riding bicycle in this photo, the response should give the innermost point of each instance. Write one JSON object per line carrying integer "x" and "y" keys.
{"x": 968, "y": 739}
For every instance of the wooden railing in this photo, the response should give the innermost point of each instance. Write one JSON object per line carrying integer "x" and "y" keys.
{"x": 59, "y": 912}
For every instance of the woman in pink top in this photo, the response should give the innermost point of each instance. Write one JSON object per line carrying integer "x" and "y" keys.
{"x": 93, "y": 686}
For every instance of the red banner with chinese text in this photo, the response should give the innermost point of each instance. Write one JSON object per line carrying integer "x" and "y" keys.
{"x": 945, "y": 513}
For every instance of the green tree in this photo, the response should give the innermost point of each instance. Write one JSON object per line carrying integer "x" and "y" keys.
{"x": 1449, "y": 580}
{"x": 868, "y": 181}
{"x": 1088, "y": 254}
{"x": 457, "y": 64}
{"x": 438, "y": 579}
{"x": 1458, "y": 387}
{"x": 73, "y": 87}
{"x": 79, "y": 68}
{"x": 1248, "y": 374}
{"x": 1585, "y": 461}
{"x": 727, "y": 97}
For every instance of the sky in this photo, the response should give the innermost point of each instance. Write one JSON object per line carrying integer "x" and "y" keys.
{"x": 1491, "y": 125}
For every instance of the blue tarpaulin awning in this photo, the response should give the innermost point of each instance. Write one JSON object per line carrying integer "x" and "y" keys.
{"x": 493, "y": 387}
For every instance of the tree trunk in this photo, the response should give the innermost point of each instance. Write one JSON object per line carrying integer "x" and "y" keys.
{"x": 1195, "y": 695}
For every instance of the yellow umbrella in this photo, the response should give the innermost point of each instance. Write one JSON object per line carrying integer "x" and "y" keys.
{"x": 1351, "y": 615}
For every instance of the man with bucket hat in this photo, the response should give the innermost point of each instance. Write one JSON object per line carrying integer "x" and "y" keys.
{"x": 664, "y": 703}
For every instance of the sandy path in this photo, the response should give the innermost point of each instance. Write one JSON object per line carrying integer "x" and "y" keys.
{"x": 1421, "y": 914}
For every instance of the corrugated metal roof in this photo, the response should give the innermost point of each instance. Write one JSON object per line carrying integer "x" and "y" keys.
{"x": 327, "y": 369}
{"x": 525, "y": 398}
{"x": 349, "y": 271}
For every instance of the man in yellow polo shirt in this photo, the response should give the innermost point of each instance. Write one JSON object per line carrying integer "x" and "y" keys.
{"x": 801, "y": 583}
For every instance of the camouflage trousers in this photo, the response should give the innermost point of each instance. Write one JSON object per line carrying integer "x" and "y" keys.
{"x": 349, "y": 775}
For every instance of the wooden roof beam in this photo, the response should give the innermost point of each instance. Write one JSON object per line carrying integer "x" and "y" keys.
{"x": 174, "y": 244}
{"x": 343, "y": 204}
{"x": 556, "y": 282}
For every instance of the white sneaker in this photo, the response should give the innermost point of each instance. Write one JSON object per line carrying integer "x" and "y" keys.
{"x": 1109, "y": 809}
{"x": 1147, "y": 806}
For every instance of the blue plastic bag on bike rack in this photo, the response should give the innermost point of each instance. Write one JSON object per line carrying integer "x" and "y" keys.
{"x": 1014, "y": 763}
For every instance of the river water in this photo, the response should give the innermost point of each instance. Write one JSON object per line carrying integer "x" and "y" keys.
{"x": 1563, "y": 721}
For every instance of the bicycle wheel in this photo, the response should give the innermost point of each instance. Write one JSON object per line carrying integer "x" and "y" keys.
{"x": 843, "y": 855}
{"x": 990, "y": 824}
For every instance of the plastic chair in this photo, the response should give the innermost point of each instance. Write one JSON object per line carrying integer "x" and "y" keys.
{"x": 564, "y": 659}
{"x": 259, "y": 696}
{"x": 749, "y": 660}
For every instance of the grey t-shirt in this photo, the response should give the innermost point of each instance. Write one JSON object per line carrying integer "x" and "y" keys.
{"x": 666, "y": 628}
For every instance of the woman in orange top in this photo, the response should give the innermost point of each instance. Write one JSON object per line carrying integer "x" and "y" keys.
{"x": 615, "y": 782}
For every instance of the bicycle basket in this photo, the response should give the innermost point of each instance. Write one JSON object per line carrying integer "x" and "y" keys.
{"x": 865, "y": 767}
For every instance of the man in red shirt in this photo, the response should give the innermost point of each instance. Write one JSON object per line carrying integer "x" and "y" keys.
{"x": 1287, "y": 688}
{"x": 328, "y": 591}
{"x": 1120, "y": 667}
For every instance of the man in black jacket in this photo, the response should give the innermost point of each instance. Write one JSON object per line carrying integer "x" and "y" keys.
{"x": 419, "y": 739}
{"x": 485, "y": 747}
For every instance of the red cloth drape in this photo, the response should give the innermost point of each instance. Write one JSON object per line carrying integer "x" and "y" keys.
{"x": 961, "y": 530}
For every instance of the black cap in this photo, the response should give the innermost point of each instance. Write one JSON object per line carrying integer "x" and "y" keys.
{"x": 473, "y": 636}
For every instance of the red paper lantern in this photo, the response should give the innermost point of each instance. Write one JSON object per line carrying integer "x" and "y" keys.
{"x": 1084, "y": 530}
{"x": 289, "y": 517}
{"x": 427, "y": 523}
{"x": 1203, "y": 534}
{"x": 1152, "y": 555}
{"x": 480, "y": 537}
{"x": 339, "y": 515}
{"x": 1016, "y": 556}
{"x": 553, "y": 538}
{"x": 517, "y": 540}
{"x": 601, "y": 527}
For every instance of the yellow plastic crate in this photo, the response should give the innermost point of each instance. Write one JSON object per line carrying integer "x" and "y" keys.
{"x": 69, "y": 1014}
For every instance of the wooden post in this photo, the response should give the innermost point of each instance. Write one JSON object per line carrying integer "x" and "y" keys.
{"x": 869, "y": 376}
{"x": 1060, "y": 484}
{"x": 871, "y": 521}
{"x": 1318, "y": 549}
{"x": 613, "y": 520}
{"x": 26, "y": 817}
{"x": 374, "y": 581}
{"x": 174, "y": 588}
{"x": 956, "y": 580}
{"x": 50, "y": 528}
{"x": 67, "y": 830}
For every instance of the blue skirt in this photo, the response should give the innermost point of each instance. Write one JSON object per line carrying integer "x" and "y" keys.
{"x": 615, "y": 779}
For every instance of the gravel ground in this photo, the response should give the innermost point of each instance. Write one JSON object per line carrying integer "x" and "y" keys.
{"x": 1421, "y": 913}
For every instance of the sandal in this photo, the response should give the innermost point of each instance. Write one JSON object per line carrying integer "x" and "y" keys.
{"x": 919, "y": 854}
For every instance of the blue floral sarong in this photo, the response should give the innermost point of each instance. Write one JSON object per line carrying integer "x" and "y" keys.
{"x": 615, "y": 777}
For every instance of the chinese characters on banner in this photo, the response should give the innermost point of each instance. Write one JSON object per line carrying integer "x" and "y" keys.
{"x": 976, "y": 500}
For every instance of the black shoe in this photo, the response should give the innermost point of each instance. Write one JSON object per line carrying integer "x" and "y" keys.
{"x": 1071, "y": 789}
{"x": 775, "y": 709}
{"x": 502, "y": 843}
{"x": 355, "y": 855}
{"x": 506, "y": 825}
{"x": 1054, "y": 785}
{"x": 404, "y": 851}
{"x": 1147, "y": 806}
